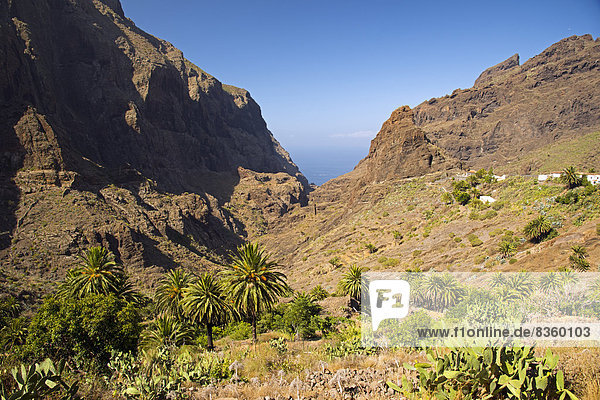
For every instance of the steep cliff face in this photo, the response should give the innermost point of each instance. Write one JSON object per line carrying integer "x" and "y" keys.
{"x": 96, "y": 110}
{"x": 514, "y": 109}
{"x": 401, "y": 150}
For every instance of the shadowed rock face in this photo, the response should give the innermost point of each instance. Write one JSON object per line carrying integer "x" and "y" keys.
{"x": 87, "y": 91}
{"x": 110, "y": 136}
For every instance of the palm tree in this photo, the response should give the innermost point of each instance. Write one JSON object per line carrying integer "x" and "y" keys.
{"x": 521, "y": 283}
{"x": 351, "y": 284}
{"x": 442, "y": 291}
{"x": 318, "y": 293}
{"x": 205, "y": 303}
{"x": 578, "y": 258}
{"x": 498, "y": 279}
{"x": 550, "y": 282}
{"x": 97, "y": 273}
{"x": 568, "y": 277}
{"x": 169, "y": 295}
{"x": 253, "y": 283}
{"x": 507, "y": 249}
{"x": 538, "y": 228}
{"x": 165, "y": 331}
{"x": 570, "y": 178}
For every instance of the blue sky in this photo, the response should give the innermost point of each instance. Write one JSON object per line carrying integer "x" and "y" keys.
{"x": 327, "y": 74}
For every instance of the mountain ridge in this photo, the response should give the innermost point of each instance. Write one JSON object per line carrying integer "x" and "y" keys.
{"x": 111, "y": 137}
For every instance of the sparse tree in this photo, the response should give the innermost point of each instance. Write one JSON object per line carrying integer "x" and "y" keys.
{"x": 538, "y": 229}
{"x": 351, "y": 285}
{"x": 570, "y": 178}
{"x": 205, "y": 303}
{"x": 170, "y": 292}
{"x": 253, "y": 283}
{"x": 578, "y": 259}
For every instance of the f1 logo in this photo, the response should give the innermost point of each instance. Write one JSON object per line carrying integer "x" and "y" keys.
{"x": 389, "y": 299}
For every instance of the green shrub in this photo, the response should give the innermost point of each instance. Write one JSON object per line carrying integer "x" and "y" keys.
{"x": 512, "y": 261}
{"x": 475, "y": 215}
{"x": 371, "y": 247}
{"x": 474, "y": 240}
{"x": 447, "y": 198}
{"x": 489, "y": 214}
{"x": 335, "y": 262}
{"x": 417, "y": 253}
{"x": 598, "y": 229}
{"x": 85, "y": 330}
{"x": 497, "y": 206}
{"x": 458, "y": 239}
{"x": 238, "y": 330}
{"x": 462, "y": 198}
{"x": 388, "y": 262}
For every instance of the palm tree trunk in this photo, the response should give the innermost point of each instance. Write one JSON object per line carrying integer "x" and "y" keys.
{"x": 209, "y": 337}
{"x": 254, "y": 337}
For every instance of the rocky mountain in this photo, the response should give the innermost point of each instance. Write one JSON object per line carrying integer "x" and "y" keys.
{"x": 511, "y": 111}
{"x": 519, "y": 119}
{"x": 401, "y": 149}
{"x": 109, "y": 135}
{"x": 514, "y": 109}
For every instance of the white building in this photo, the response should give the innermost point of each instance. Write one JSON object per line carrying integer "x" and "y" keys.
{"x": 594, "y": 179}
{"x": 487, "y": 199}
{"x": 543, "y": 178}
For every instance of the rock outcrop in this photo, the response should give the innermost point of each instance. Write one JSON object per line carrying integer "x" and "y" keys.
{"x": 402, "y": 150}
{"x": 514, "y": 109}
{"x": 144, "y": 146}
{"x": 494, "y": 73}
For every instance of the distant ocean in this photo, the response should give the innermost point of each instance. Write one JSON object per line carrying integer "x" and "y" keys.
{"x": 323, "y": 164}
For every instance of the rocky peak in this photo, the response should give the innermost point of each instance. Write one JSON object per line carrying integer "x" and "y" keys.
{"x": 401, "y": 150}
{"x": 497, "y": 70}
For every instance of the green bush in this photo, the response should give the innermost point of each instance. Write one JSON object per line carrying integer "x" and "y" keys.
{"x": 570, "y": 198}
{"x": 474, "y": 240}
{"x": 512, "y": 261}
{"x": 335, "y": 262}
{"x": 462, "y": 198}
{"x": 371, "y": 247}
{"x": 388, "y": 262}
{"x": 598, "y": 229}
{"x": 447, "y": 198}
{"x": 84, "y": 330}
{"x": 497, "y": 205}
{"x": 238, "y": 330}
{"x": 489, "y": 214}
